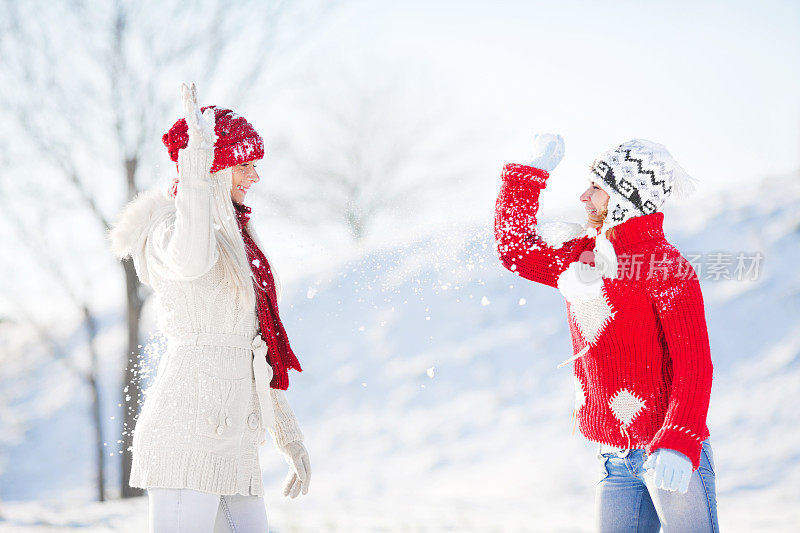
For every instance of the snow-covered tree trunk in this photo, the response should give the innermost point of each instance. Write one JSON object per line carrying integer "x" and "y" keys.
{"x": 131, "y": 378}
{"x": 90, "y": 323}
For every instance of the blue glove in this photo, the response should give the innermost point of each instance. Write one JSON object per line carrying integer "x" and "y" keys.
{"x": 672, "y": 469}
{"x": 548, "y": 150}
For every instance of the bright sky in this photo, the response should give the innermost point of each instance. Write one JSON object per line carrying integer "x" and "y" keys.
{"x": 717, "y": 82}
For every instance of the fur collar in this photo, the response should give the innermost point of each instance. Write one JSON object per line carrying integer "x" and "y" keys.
{"x": 136, "y": 218}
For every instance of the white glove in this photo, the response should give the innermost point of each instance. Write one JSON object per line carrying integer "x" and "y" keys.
{"x": 672, "y": 470}
{"x": 299, "y": 469}
{"x": 548, "y": 150}
{"x": 201, "y": 125}
{"x": 580, "y": 282}
{"x": 605, "y": 258}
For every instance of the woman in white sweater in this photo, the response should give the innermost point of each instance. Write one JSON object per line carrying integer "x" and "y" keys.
{"x": 219, "y": 386}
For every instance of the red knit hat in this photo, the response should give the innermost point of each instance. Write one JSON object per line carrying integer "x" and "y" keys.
{"x": 237, "y": 140}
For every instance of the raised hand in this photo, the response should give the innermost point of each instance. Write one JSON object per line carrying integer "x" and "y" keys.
{"x": 201, "y": 124}
{"x": 548, "y": 150}
{"x": 299, "y": 469}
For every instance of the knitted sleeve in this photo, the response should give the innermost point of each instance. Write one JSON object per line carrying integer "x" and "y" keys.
{"x": 678, "y": 303}
{"x": 185, "y": 248}
{"x": 285, "y": 428}
{"x": 521, "y": 245}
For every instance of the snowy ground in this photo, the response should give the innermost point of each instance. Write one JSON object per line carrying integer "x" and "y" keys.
{"x": 431, "y": 399}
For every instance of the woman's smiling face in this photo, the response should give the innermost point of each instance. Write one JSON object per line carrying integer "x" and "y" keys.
{"x": 596, "y": 204}
{"x": 244, "y": 176}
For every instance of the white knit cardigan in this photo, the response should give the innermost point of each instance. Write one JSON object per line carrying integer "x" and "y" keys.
{"x": 200, "y": 426}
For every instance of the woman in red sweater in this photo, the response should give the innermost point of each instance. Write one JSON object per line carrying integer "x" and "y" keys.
{"x": 641, "y": 355}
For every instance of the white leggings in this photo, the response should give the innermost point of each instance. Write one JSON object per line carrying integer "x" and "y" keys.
{"x": 191, "y": 511}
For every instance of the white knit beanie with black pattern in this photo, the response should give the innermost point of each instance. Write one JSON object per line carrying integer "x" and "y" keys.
{"x": 639, "y": 176}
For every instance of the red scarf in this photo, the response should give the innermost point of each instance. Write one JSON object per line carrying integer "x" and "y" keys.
{"x": 279, "y": 354}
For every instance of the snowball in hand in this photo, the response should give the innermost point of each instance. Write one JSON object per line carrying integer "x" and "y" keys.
{"x": 548, "y": 151}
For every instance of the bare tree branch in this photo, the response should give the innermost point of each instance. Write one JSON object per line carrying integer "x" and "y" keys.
{"x": 366, "y": 157}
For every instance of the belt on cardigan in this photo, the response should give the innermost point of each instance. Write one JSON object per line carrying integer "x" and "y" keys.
{"x": 261, "y": 370}
{"x": 230, "y": 340}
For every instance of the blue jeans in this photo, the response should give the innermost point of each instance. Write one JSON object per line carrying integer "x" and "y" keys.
{"x": 627, "y": 500}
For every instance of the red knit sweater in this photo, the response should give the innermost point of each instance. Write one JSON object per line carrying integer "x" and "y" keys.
{"x": 645, "y": 381}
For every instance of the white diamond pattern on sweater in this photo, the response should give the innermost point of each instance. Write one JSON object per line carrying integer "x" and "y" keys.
{"x": 625, "y": 405}
{"x": 592, "y": 316}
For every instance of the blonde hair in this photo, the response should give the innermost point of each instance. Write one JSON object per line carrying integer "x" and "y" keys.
{"x": 230, "y": 242}
{"x": 610, "y": 232}
{"x": 229, "y": 239}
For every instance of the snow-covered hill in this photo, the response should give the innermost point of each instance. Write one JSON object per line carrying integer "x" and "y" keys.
{"x": 431, "y": 400}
